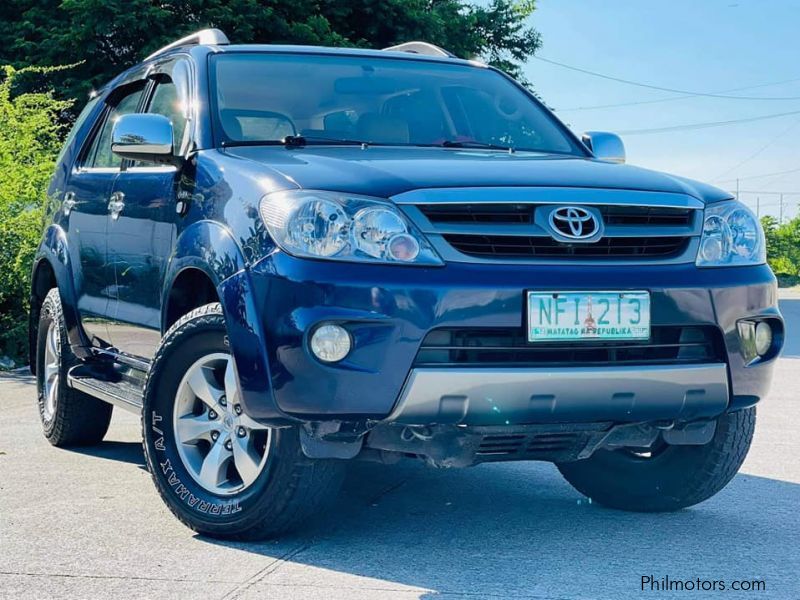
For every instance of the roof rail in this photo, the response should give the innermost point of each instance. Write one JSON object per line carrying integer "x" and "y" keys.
{"x": 204, "y": 36}
{"x": 421, "y": 48}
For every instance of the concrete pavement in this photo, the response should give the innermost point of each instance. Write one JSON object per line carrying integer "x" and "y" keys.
{"x": 88, "y": 523}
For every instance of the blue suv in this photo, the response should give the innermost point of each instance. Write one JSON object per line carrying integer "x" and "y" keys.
{"x": 285, "y": 258}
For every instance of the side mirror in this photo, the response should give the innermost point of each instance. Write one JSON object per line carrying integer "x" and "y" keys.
{"x": 146, "y": 137}
{"x": 605, "y": 146}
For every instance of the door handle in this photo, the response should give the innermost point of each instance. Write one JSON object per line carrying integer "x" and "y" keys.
{"x": 69, "y": 203}
{"x": 116, "y": 204}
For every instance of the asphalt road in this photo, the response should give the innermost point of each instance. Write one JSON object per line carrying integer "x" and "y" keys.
{"x": 88, "y": 523}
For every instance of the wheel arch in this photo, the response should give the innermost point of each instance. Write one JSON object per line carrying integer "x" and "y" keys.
{"x": 52, "y": 269}
{"x": 207, "y": 255}
{"x": 192, "y": 288}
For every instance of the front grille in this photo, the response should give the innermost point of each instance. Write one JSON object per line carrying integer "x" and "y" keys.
{"x": 514, "y": 246}
{"x": 523, "y": 213}
{"x": 637, "y": 228}
{"x": 479, "y": 347}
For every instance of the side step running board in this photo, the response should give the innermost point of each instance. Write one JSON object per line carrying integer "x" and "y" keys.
{"x": 121, "y": 393}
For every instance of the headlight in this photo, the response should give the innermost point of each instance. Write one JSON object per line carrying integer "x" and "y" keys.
{"x": 336, "y": 226}
{"x": 732, "y": 236}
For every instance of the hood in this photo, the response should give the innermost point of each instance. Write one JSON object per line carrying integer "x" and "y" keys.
{"x": 387, "y": 171}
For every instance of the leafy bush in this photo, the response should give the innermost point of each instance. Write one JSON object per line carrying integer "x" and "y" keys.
{"x": 783, "y": 248}
{"x": 30, "y": 136}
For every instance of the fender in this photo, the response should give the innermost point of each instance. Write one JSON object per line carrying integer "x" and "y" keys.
{"x": 211, "y": 248}
{"x": 55, "y": 250}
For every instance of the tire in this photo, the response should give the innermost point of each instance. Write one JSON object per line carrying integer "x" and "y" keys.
{"x": 69, "y": 417}
{"x": 284, "y": 491}
{"x": 671, "y": 479}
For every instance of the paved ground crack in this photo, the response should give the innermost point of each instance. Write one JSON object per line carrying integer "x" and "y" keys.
{"x": 120, "y": 577}
{"x": 271, "y": 567}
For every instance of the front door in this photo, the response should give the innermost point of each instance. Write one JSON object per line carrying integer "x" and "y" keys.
{"x": 86, "y": 206}
{"x": 142, "y": 234}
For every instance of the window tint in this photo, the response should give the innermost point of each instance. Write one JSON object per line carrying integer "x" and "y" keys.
{"x": 165, "y": 101}
{"x": 100, "y": 155}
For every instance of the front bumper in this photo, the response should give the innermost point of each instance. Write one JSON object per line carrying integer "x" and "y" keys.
{"x": 389, "y": 310}
{"x": 562, "y": 395}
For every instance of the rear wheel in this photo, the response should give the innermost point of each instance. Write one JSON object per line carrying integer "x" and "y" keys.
{"x": 665, "y": 477}
{"x": 69, "y": 417}
{"x": 219, "y": 471}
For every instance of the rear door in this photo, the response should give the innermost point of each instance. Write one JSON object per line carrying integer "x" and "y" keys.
{"x": 87, "y": 197}
{"x": 142, "y": 233}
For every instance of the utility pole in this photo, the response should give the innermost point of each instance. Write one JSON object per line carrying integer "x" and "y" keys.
{"x": 737, "y": 188}
{"x": 781, "y": 219}
{"x": 758, "y": 206}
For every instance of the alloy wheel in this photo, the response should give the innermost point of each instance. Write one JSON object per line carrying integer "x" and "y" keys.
{"x": 52, "y": 368}
{"x": 222, "y": 448}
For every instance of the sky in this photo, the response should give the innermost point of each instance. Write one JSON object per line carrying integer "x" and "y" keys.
{"x": 698, "y": 46}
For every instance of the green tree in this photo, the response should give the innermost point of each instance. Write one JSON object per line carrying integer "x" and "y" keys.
{"x": 29, "y": 140}
{"x": 110, "y": 35}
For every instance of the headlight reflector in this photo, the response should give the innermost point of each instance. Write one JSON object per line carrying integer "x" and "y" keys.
{"x": 319, "y": 224}
{"x": 374, "y": 227}
{"x": 732, "y": 236}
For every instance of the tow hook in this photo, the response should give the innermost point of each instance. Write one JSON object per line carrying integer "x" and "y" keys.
{"x": 696, "y": 433}
{"x": 422, "y": 433}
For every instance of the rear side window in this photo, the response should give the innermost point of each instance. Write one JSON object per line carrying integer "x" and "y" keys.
{"x": 87, "y": 110}
{"x": 100, "y": 155}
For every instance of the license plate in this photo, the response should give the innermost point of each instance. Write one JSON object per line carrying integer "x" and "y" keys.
{"x": 576, "y": 316}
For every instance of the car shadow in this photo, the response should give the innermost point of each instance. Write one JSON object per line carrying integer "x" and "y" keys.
{"x": 127, "y": 452}
{"x": 518, "y": 530}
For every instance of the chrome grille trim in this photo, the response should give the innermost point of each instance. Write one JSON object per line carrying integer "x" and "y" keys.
{"x": 538, "y": 199}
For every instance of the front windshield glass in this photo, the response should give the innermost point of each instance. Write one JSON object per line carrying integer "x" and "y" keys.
{"x": 265, "y": 97}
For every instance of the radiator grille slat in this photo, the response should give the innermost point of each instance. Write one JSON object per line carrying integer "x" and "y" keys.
{"x": 518, "y": 246}
{"x": 530, "y": 446}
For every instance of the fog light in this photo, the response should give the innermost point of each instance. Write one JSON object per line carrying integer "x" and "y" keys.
{"x": 331, "y": 343}
{"x": 763, "y": 338}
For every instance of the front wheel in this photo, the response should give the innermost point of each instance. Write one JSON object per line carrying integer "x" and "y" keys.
{"x": 219, "y": 471}
{"x": 665, "y": 478}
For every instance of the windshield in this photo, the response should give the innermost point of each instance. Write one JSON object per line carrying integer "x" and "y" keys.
{"x": 265, "y": 97}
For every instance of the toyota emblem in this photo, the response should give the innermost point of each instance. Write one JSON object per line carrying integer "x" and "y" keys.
{"x": 574, "y": 223}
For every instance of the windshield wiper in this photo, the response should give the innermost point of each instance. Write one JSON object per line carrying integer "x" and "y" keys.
{"x": 295, "y": 141}
{"x": 475, "y": 144}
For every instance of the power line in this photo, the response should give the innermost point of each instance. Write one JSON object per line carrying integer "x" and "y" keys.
{"x": 658, "y": 87}
{"x": 769, "y": 192}
{"x": 759, "y": 151}
{"x": 671, "y": 98}
{"x": 761, "y": 175}
{"x": 692, "y": 126}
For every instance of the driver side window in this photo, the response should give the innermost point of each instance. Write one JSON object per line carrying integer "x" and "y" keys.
{"x": 166, "y": 102}
{"x": 100, "y": 155}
